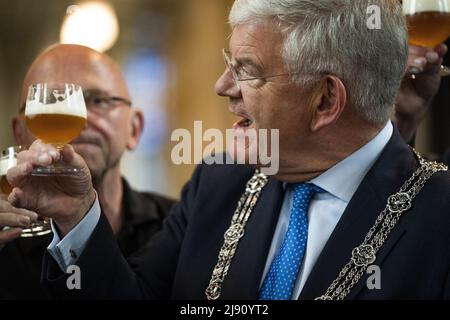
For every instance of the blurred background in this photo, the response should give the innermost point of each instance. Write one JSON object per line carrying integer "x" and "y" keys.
{"x": 170, "y": 52}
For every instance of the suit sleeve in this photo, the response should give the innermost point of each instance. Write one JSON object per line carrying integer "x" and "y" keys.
{"x": 106, "y": 274}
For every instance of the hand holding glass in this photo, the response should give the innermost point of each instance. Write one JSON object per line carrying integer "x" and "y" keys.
{"x": 8, "y": 160}
{"x": 428, "y": 25}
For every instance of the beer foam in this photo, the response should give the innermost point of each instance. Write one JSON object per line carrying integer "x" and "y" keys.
{"x": 417, "y": 6}
{"x": 73, "y": 105}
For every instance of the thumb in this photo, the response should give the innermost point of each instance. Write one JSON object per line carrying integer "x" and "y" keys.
{"x": 70, "y": 157}
{"x": 73, "y": 159}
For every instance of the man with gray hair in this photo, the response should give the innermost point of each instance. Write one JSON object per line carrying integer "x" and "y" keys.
{"x": 353, "y": 212}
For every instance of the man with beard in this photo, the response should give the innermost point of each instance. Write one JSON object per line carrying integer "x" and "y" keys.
{"x": 113, "y": 127}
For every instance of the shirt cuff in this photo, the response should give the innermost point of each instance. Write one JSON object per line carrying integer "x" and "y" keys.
{"x": 67, "y": 250}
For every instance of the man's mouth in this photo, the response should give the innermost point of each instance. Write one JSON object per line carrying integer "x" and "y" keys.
{"x": 88, "y": 139}
{"x": 243, "y": 123}
{"x": 84, "y": 142}
{"x": 88, "y": 144}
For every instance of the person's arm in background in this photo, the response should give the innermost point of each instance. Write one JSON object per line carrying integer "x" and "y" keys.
{"x": 416, "y": 95}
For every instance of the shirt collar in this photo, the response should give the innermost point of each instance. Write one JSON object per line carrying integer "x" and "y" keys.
{"x": 344, "y": 178}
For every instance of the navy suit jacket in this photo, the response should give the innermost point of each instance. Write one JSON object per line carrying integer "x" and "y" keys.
{"x": 178, "y": 262}
{"x": 446, "y": 158}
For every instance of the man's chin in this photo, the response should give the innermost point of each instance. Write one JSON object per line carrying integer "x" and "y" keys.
{"x": 94, "y": 160}
{"x": 88, "y": 151}
{"x": 243, "y": 155}
{"x": 97, "y": 174}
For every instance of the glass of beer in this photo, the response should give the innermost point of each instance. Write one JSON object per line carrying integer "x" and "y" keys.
{"x": 56, "y": 115}
{"x": 428, "y": 23}
{"x": 9, "y": 159}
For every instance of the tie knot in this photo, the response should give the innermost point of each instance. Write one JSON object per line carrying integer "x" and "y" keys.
{"x": 307, "y": 187}
{"x": 305, "y": 191}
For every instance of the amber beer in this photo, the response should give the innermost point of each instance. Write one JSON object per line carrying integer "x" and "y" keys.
{"x": 7, "y": 161}
{"x": 428, "y": 29}
{"x": 55, "y": 115}
{"x": 55, "y": 128}
{"x": 4, "y": 185}
{"x": 428, "y": 21}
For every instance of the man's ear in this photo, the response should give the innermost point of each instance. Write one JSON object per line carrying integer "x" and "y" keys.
{"x": 329, "y": 104}
{"x": 136, "y": 128}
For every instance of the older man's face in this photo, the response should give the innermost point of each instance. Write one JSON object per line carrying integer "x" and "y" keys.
{"x": 272, "y": 103}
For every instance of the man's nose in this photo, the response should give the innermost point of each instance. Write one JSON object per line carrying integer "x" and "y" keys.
{"x": 226, "y": 87}
{"x": 92, "y": 118}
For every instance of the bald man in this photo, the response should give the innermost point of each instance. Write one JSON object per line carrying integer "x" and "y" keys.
{"x": 113, "y": 127}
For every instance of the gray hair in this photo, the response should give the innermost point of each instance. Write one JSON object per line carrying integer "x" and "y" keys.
{"x": 332, "y": 37}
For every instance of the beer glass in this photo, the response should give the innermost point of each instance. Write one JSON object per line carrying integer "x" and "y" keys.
{"x": 56, "y": 115}
{"x": 9, "y": 159}
{"x": 428, "y": 23}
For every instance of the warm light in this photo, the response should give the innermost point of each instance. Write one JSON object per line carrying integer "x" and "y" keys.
{"x": 92, "y": 24}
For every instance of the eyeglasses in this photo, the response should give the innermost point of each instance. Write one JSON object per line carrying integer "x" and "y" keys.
{"x": 241, "y": 74}
{"x": 98, "y": 101}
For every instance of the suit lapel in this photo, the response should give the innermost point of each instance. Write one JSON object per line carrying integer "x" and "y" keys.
{"x": 243, "y": 279}
{"x": 391, "y": 170}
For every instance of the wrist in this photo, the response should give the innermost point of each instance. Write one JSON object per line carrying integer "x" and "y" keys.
{"x": 408, "y": 122}
{"x": 81, "y": 206}
{"x": 413, "y": 115}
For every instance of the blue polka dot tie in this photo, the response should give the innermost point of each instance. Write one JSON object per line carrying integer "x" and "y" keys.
{"x": 280, "y": 280}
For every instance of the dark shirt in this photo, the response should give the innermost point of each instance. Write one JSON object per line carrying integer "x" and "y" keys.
{"x": 21, "y": 260}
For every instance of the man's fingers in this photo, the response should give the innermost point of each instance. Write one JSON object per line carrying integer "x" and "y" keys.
{"x": 441, "y": 50}
{"x": 432, "y": 57}
{"x": 28, "y": 160}
{"x": 70, "y": 157}
{"x": 14, "y": 220}
{"x": 42, "y": 155}
{"x": 434, "y": 62}
{"x": 39, "y": 154}
{"x": 17, "y": 174}
{"x": 39, "y": 146}
{"x": 68, "y": 154}
{"x": 7, "y": 207}
{"x": 426, "y": 60}
{"x": 9, "y": 235}
{"x": 17, "y": 198}
{"x": 418, "y": 65}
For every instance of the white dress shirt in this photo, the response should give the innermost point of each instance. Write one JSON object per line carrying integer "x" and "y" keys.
{"x": 340, "y": 183}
